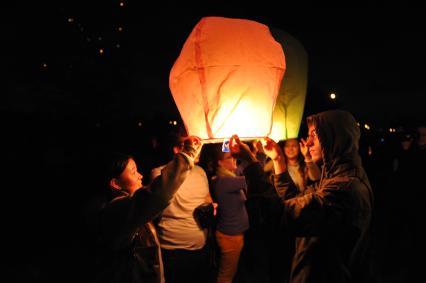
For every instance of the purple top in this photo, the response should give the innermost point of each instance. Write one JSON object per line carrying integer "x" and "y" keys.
{"x": 228, "y": 192}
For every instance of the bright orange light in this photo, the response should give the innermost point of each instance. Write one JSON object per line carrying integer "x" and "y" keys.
{"x": 226, "y": 79}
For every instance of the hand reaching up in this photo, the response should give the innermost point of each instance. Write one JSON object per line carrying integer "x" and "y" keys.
{"x": 192, "y": 146}
{"x": 304, "y": 149}
{"x": 240, "y": 149}
{"x": 274, "y": 151}
{"x": 271, "y": 148}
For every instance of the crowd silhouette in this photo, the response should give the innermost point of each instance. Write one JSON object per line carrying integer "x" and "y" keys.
{"x": 49, "y": 236}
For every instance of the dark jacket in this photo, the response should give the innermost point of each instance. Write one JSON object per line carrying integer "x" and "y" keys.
{"x": 332, "y": 222}
{"x": 128, "y": 241}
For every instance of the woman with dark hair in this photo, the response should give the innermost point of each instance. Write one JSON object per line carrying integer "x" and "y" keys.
{"x": 228, "y": 190}
{"x": 128, "y": 239}
{"x": 300, "y": 166}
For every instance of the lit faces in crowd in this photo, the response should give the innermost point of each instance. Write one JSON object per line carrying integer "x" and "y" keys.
{"x": 314, "y": 144}
{"x": 291, "y": 149}
{"x": 130, "y": 179}
{"x": 228, "y": 162}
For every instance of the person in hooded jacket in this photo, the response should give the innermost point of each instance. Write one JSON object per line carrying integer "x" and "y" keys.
{"x": 129, "y": 248}
{"x": 332, "y": 221}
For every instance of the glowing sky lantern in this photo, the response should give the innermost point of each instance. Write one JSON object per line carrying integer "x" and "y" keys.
{"x": 226, "y": 79}
{"x": 290, "y": 103}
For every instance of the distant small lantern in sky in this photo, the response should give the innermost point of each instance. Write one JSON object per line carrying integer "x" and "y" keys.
{"x": 226, "y": 79}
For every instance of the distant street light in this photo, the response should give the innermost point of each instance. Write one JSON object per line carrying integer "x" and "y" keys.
{"x": 332, "y": 95}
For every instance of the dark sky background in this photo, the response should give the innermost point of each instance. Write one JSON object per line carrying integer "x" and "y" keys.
{"x": 371, "y": 55}
{"x": 62, "y": 101}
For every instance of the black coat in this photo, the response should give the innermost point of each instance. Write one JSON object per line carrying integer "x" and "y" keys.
{"x": 129, "y": 248}
{"x": 331, "y": 223}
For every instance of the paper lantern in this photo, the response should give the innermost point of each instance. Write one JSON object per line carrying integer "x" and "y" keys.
{"x": 290, "y": 103}
{"x": 226, "y": 79}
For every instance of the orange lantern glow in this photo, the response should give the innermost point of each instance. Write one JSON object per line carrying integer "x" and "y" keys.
{"x": 226, "y": 79}
{"x": 290, "y": 103}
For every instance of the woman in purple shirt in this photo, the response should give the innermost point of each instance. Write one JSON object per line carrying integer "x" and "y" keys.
{"x": 228, "y": 190}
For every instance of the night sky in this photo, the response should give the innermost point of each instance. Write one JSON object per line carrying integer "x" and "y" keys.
{"x": 370, "y": 55}
{"x": 63, "y": 100}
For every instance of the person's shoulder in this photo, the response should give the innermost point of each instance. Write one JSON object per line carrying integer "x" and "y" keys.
{"x": 235, "y": 181}
{"x": 199, "y": 170}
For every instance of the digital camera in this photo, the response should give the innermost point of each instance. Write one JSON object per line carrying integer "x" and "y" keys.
{"x": 225, "y": 145}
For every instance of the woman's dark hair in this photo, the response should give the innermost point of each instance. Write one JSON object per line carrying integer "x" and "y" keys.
{"x": 300, "y": 158}
{"x": 210, "y": 154}
{"x": 113, "y": 164}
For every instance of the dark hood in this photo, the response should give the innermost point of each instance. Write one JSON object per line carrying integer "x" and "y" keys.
{"x": 339, "y": 136}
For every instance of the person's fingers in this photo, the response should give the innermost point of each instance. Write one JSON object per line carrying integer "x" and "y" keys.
{"x": 267, "y": 143}
{"x": 215, "y": 205}
{"x": 235, "y": 143}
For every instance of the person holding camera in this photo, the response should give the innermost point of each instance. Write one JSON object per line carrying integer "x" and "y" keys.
{"x": 229, "y": 191}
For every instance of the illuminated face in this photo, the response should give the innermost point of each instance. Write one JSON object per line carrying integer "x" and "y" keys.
{"x": 291, "y": 149}
{"x": 228, "y": 162}
{"x": 130, "y": 179}
{"x": 314, "y": 145}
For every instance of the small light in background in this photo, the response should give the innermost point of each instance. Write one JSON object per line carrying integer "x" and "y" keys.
{"x": 140, "y": 124}
{"x": 44, "y": 65}
{"x": 366, "y": 126}
{"x": 121, "y": 4}
{"x": 101, "y": 51}
{"x": 332, "y": 95}
{"x": 70, "y": 20}
{"x": 174, "y": 123}
{"x": 120, "y": 29}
